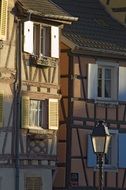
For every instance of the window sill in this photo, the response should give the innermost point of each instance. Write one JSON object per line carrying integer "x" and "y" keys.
{"x": 39, "y": 130}
{"x": 108, "y": 168}
{"x": 109, "y": 103}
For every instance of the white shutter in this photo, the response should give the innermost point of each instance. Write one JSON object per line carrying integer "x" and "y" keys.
{"x": 55, "y": 41}
{"x": 53, "y": 114}
{"x": 28, "y": 37}
{"x": 3, "y": 19}
{"x": 114, "y": 88}
{"x": 25, "y": 111}
{"x": 122, "y": 84}
{"x": 92, "y": 80}
{"x": 1, "y": 107}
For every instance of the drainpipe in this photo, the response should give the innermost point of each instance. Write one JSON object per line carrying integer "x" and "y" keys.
{"x": 18, "y": 103}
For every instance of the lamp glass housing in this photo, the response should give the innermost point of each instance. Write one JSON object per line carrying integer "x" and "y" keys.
{"x": 101, "y": 144}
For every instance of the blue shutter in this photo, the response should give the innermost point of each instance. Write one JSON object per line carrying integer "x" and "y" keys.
{"x": 122, "y": 152}
{"x": 91, "y": 157}
{"x": 122, "y": 84}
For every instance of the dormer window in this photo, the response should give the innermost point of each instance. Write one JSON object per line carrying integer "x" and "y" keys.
{"x": 41, "y": 40}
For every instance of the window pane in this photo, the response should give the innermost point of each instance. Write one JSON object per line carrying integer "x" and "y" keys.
{"x": 35, "y": 113}
{"x": 107, "y": 83}
{"x": 99, "y": 88}
{"x": 108, "y": 156}
{"x": 36, "y": 39}
{"x": 42, "y": 42}
{"x": 45, "y": 41}
{"x": 107, "y": 74}
{"x": 99, "y": 82}
{"x": 108, "y": 89}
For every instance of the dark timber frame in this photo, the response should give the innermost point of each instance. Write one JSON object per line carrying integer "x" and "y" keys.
{"x": 70, "y": 126}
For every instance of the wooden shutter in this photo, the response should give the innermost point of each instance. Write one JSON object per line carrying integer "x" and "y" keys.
{"x": 122, "y": 84}
{"x": 53, "y": 114}
{"x": 1, "y": 107}
{"x": 91, "y": 157}
{"x": 122, "y": 153}
{"x": 25, "y": 111}
{"x": 92, "y": 81}
{"x": 3, "y": 19}
{"x": 55, "y": 41}
{"x": 28, "y": 37}
{"x": 33, "y": 183}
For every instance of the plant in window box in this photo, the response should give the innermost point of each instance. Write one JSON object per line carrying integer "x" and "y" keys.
{"x": 33, "y": 59}
{"x": 47, "y": 61}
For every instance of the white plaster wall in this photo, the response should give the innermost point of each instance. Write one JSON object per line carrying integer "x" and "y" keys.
{"x": 7, "y": 178}
{"x": 45, "y": 174}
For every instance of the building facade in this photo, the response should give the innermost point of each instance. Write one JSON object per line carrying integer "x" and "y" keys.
{"x": 29, "y": 92}
{"x": 93, "y": 78}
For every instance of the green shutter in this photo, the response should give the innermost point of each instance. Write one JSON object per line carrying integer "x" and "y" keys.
{"x": 25, "y": 112}
{"x": 3, "y": 19}
{"x": 1, "y": 107}
{"x": 53, "y": 114}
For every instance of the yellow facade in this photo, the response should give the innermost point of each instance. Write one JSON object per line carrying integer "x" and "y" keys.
{"x": 115, "y": 4}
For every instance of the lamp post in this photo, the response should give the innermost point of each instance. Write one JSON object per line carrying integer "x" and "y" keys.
{"x": 100, "y": 140}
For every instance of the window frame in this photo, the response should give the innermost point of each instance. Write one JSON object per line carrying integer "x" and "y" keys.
{"x": 92, "y": 90}
{"x": 114, "y": 87}
{"x": 114, "y": 151}
{"x": 41, "y": 109}
{"x": 39, "y": 33}
{"x": 51, "y": 115}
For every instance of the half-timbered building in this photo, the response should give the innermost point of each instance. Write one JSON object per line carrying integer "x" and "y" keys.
{"x": 93, "y": 88}
{"x": 29, "y": 92}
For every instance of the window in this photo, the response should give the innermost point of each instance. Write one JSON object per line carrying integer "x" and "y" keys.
{"x": 3, "y": 19}
{"x": 37, "y": 114}
{"x": 33, "y": 183}
{"x": 74, "y": 179}
{"x": 41, "y": 40}
{"x": 106, "y": 81}
{"x": 110, "y": 159}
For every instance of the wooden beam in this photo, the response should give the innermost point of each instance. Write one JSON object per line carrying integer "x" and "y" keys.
{"x": 40, "y": 84}
{"x": 40, "y": 95}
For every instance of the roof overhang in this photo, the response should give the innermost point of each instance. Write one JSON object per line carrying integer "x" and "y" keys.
{"x": 29, "y": 13}
{"x": 92, "y": 51}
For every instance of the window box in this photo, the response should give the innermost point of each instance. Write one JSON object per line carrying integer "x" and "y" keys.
{"x": 43, "y": 61}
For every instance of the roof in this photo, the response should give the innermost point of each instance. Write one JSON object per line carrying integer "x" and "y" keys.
{"x": 96, "y": 29}
{"x": 44, "y": 9}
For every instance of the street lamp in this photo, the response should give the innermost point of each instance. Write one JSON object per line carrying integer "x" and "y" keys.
{"x": 100, "y": 140}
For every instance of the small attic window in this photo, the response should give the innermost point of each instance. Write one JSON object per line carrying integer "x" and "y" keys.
{"x": 101, "y": 22}
{"x": 107, "y": 2}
